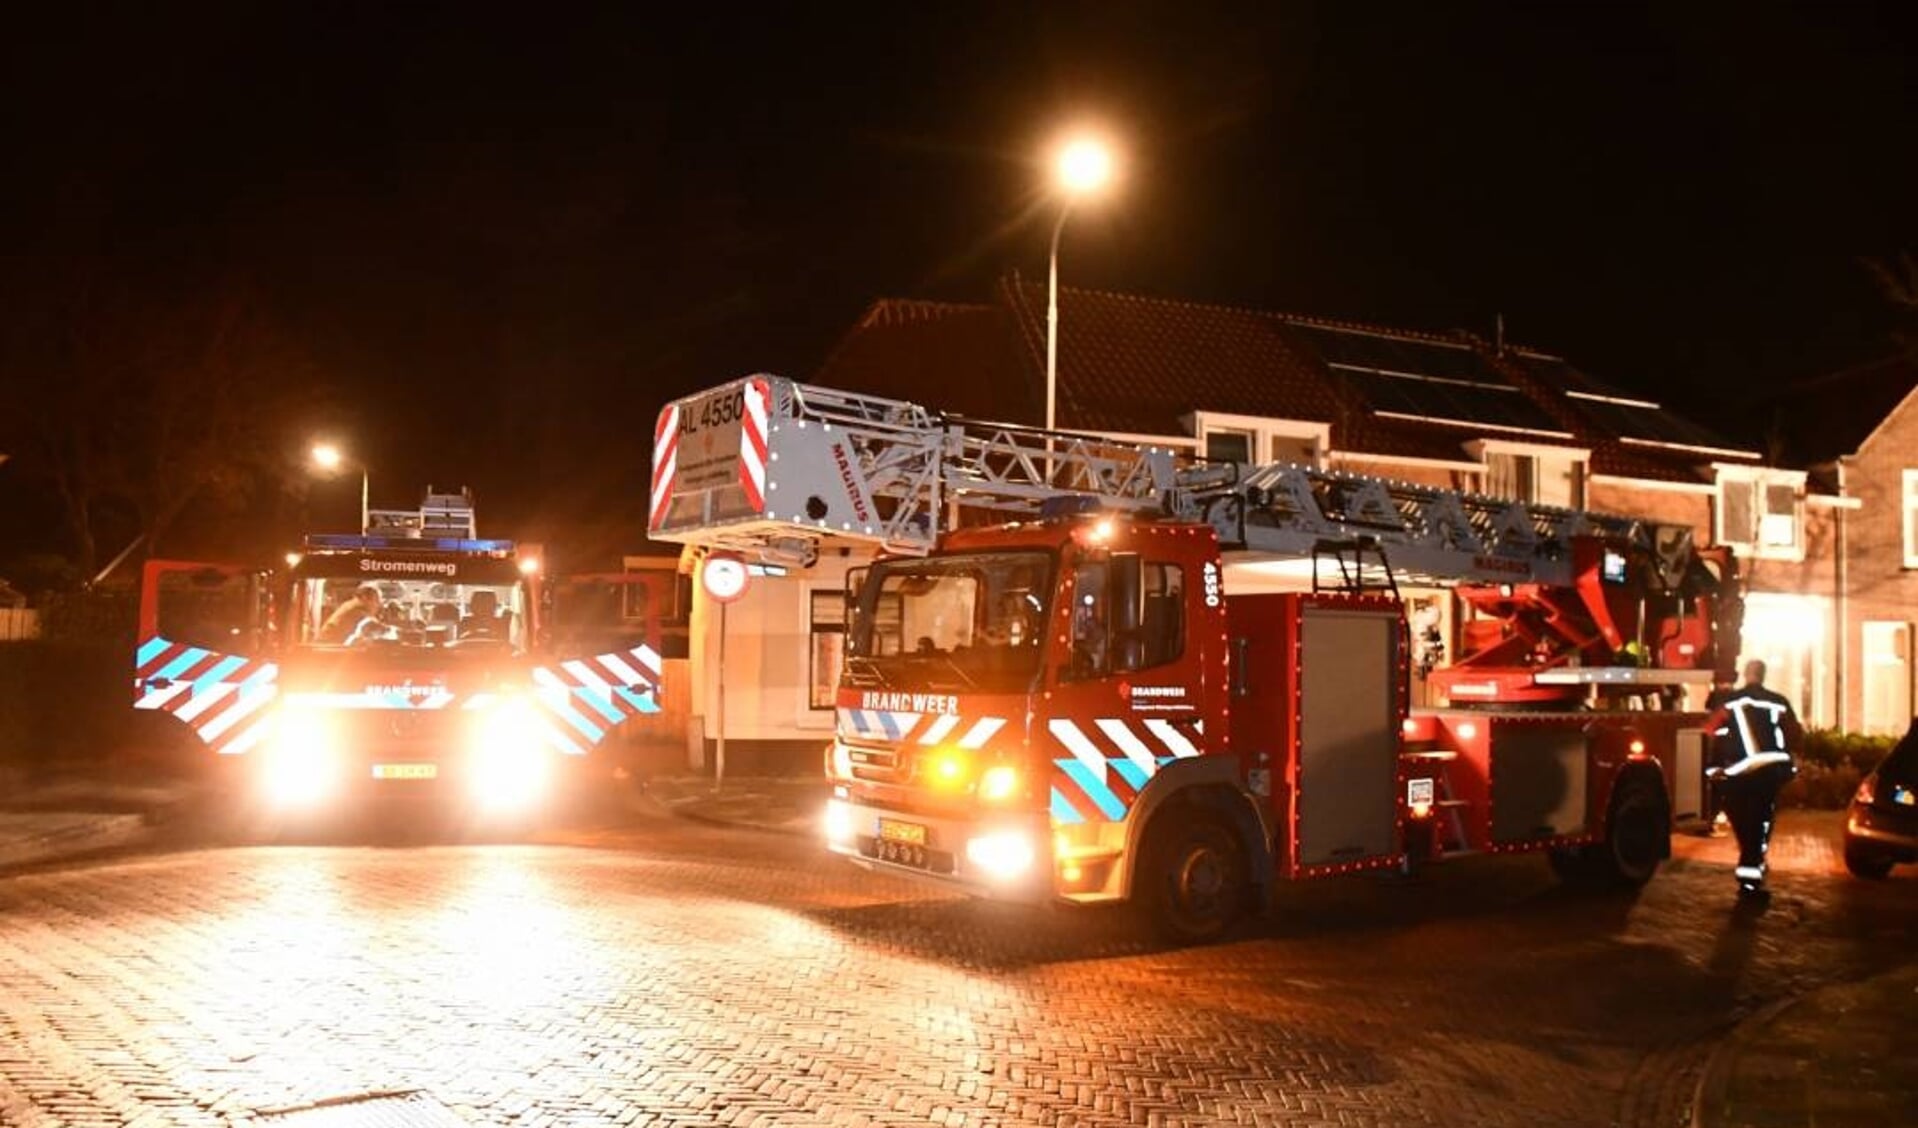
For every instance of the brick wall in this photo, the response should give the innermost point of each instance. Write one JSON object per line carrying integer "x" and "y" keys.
{"x": 1878, "y": 586}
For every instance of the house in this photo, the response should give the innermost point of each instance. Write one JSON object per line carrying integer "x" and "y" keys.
{"x": 1854, "y": 433}
{"x": 1443, "y": 409}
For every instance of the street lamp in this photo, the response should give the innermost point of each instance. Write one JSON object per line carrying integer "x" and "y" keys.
{"x": 330, "y": 458}
{"x": 1081, "y": 168}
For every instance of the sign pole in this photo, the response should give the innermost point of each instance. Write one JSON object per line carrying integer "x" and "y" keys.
{"x": 719, "y": 750}
{"x": 724, "y": 576}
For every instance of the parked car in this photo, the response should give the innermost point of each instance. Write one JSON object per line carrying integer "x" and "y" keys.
{"x": 1882, "y": 828}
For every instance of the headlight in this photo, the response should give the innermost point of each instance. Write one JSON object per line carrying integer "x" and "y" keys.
{"x": 945, "y": 769}
{"x": 1003, "y": 854}
{"x": 301, "y": 763}
{"x": 838, "y": 821}
{"x": 999, "y": 783}
{"x": 509, "y": 760}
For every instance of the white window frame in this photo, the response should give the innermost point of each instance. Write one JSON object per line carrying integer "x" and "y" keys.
{"x": 1759, "y": 479}
{"x": 1580, "y": 458}
{"x": 1263, "y": 430}
{"x": 1908, "y": 517}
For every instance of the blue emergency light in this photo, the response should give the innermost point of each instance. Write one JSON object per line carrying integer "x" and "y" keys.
{"x": 352, "y": 542}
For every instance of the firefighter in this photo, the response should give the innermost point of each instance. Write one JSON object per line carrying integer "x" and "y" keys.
{"x": 343, "y": 625}
{"x": 483, "y": 618}
{"x": 1753, "y": 732}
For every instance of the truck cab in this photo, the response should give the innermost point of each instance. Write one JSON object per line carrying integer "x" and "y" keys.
{"x": 406, "y": 666}
{"x": 1008, "y": 700}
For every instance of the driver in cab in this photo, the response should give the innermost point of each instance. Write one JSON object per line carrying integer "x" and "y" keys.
{"x": 354, "y": 618}
{"x": 483, "y": 618}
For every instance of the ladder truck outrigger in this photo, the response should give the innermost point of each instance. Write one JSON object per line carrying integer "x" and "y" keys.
{"x": 1051, "y": 691}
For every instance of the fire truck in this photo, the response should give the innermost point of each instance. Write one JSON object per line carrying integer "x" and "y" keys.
{"x": 1055, "y": 689}
{"x": 404, "y": 660}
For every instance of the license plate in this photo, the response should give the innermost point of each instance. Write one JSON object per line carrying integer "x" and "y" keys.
{"x": 406, "y": 771}
{"x": 892, "y": 830}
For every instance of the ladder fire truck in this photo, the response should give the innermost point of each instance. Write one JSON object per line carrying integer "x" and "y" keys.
{"x": 407, "y": 659}
{"x": 1052, "y": 691}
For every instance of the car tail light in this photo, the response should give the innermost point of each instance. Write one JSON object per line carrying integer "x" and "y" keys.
{"x": 1867, "y": 791}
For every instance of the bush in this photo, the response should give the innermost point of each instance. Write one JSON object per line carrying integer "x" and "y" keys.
{"x": 1829, "y": 767}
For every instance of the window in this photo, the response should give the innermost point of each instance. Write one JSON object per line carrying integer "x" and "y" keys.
{"x": 1162, "y": 622}
{"x": 1299, "y": 450}
{"x": 1911, "y": 519}
{"x": 1509, "y": 475}
{"x": 1778, "y": 525}
{"x": 1259, "y": 439}
{"x": 1759, "y": 512}
{"x": 1098, "y": 649}
{"x": 826, "y": 634}
{"x": 1887, "y": 680}
{"x": 1228, "y": 446}
{"x": 1536, "y": 478}
{"x": 968, "y": 621}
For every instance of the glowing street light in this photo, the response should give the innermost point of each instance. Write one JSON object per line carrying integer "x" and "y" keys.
{"x": 329, "y": 458}
{"x": 1081, "y": 169}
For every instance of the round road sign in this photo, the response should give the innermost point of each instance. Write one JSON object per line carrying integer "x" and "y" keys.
{"x": 724, "y": 576}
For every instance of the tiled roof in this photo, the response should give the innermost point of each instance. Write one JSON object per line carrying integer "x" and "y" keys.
{"x": 961, "y": 359}
{"x": 1143, "y": 365}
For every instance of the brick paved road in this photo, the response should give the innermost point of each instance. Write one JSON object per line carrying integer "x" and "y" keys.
{"x": 669, "y": 973}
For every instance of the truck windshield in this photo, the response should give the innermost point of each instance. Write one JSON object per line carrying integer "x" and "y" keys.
{"x": 965, "y": 623}
{"x": 345, "y": 611}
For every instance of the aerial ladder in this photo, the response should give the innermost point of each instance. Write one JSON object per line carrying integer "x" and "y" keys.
{"x": 1572, "y": 601}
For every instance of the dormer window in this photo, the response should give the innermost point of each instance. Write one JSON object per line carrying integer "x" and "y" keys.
{"x": 1533, "y": 473}
{"x": 1760, "y": 511}
{"x": 1256, "y": 439}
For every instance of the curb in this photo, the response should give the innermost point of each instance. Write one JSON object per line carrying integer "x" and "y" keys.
{"x": 55, "y": 841}
{"x": 1713, "y": 1079}
{"x": 685, "y": 811}
{"x": 688, "y": 808}
{"x": 1845, "y": 1023}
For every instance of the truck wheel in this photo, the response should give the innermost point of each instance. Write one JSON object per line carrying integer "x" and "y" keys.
{"x": 1193, "y": 882}
{"x": 1866, "y": 864}
{"x": 1637, "y": 836}
{"x": 1573, "y": 865}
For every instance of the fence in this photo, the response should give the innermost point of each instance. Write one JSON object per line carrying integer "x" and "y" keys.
{"x": 19, "y": 624}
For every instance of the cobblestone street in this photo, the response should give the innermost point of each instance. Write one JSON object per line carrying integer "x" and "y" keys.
{"x": 666, "y": 972}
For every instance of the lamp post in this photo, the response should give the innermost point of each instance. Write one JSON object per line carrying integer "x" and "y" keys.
{"x": 330, "y": 458}
{"x": 1082, "y": 168}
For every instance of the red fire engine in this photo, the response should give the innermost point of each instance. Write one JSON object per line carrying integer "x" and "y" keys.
{"x": 406, "y": 659}
{"x": 1052, "y": 693}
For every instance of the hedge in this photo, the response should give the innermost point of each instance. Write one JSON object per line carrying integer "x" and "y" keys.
{"x": 1830, "y": 765}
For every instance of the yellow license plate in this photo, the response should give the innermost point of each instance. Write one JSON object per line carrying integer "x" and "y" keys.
{"x": 406, "y": 771}
{"x": 892, "y": 830}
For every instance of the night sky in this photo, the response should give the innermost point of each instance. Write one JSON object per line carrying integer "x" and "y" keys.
{"x": 504, "y": 236}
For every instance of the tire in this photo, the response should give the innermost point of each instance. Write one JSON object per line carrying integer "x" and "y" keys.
{"x": 1193, "y": 885}
{"x": 1573, "y": 865}
{"x": 1637, "y": 838}
{"x": 1862, "y": 862}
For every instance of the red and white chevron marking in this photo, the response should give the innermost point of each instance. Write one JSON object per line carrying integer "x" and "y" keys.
{"x": 1110, "y": 761}
{"x": 229, "y": 713}
{"x": 665, "y": 461}
{"x": 926, "y": 729}
{"x": 752, "y": 442}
